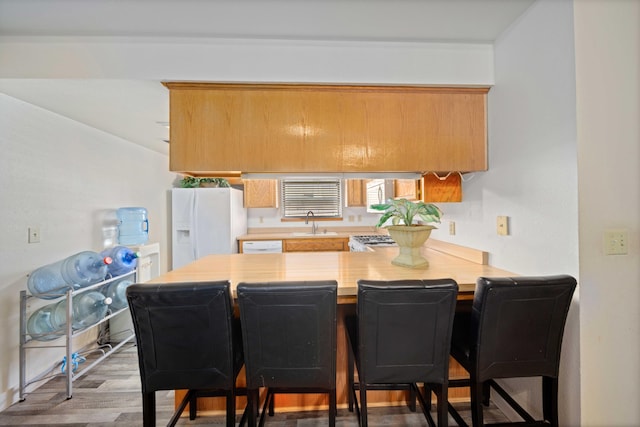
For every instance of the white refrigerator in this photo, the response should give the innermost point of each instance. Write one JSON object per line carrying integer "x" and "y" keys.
{"x": 205, "y": 221}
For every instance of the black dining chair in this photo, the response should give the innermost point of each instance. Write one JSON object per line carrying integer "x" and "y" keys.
{"x": 515, "y": 329}
{"x": 289, "y": 333}
{"x": 399, "y": 337}
{"x": 188, "y": 339}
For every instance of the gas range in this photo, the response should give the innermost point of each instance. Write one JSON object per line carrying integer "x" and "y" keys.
{"x": 364, "y": 242}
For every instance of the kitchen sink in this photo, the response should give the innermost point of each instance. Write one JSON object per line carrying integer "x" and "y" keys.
{"x": 319, "y": 234}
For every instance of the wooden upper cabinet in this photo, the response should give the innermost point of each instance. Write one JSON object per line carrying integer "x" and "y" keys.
{"x": 326, "y": 128}
{"x": 356, "y": 192}
{"x": 447, "y": 188}
{"x": 406, "y": 189}
{"x": 261, "y": 193}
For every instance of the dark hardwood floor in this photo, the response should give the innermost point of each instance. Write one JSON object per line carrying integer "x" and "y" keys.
{"x": 109, "y": 395}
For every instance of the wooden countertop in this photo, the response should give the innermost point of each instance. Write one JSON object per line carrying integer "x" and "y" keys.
{"x": 345, "y": 267}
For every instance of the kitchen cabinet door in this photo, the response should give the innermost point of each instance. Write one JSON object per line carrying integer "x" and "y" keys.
{"x": 261, "y": 193}
{"x": 448, "y": 189}
{"x": 356, "y": 192}
{"x": 280, "y": 128}
{"x": 316, "y": 245}
{"x": 406, "y": 189}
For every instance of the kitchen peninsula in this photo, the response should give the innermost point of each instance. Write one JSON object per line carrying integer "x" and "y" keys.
{"x": 445, "y": 261}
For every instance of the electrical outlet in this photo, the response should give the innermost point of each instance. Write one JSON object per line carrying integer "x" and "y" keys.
{"x": 34, "y": 234}
{"x": 452, "y": 228}
{"x": 615, "y": 242}
{"x": 503, "y": 225}
{"x": 351, "y": 218}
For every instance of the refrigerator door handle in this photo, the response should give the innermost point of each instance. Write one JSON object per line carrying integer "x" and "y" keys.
{"x": 194, "y": 225}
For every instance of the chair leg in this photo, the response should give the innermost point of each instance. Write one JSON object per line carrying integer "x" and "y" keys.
{"x": 486, "y": 393}
{"x": 363, "y": 406}
{"x": 149, "y": 409}
{"x": 355, "y": 402}
{"x": 412, "y": 397}
{"x": 423, "y": 403}
{"x": 427, "y": 395}
{"x": 456, "y": 416}
{"x": 332, "y": 408}
{"x": 476, "y": 389}
{"x": 442, "y": 401}
{"x": 193, "y": 406}
{"x": 252, "y": 407}
{"x": 350, "y": 374}
{"x": 272, "y": 405}
{"x": 266, "y": 407}
{"x": 231, "y": 408}
{"x": 550, "y": 400}
{"x": 190, "y": 398}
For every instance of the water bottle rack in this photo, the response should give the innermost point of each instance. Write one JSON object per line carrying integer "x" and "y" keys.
{"x": 72, "y": 370}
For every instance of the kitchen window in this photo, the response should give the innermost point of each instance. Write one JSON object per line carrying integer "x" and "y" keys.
{"x": 321, "y": 196}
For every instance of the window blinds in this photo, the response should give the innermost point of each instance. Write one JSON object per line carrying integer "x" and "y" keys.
{"x": 323, "y": 197}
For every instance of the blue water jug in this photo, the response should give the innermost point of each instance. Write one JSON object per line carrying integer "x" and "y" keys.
{"x": 124, "y": 260}
{"x": 49, "y": 322}
{"x": 87, "y": 309}
{"x": 117, "y": 291}
{"x": 74, "y": 272}
{"x": 133, "y": 226}
{"x": 42, "y": 325}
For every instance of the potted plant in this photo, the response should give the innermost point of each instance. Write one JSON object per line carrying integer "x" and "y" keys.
{"x": 409, "y": 236}
{"x": 190, "y": 182}
{"x": 195, "y": 182}
{"x": 214, "y": 182}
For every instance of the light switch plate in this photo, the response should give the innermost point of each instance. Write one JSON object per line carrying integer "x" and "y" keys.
{"x": 34, "y": 235}
{"x": 503, "y": 226}
{"x": 616, "y": 242}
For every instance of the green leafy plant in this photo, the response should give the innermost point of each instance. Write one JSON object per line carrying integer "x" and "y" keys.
{"x": 221, "y": 182}
{"x": 190, "y": 182}
{"x": 403, "y": 211}
{"x": 195, "y": 182}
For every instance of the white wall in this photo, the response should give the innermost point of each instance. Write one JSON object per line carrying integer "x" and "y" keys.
{"x": 532, "y": 176}
{"x": 608, "y": 100}
{"x": 67, "y": 179}
{"x": 271, "y": 217}
{"x": 246, "y": 60}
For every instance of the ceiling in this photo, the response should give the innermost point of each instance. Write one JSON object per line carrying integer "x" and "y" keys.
{"x": 137, "y": 110}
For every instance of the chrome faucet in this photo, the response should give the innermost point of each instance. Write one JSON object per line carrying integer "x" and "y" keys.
{"x": 314, "y": 227}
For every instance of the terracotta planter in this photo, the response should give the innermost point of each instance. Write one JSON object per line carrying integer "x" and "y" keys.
{"x": 410, "y": 240}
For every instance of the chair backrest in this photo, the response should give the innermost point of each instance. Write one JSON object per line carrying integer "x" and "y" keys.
{"x": 186, "y": 335}
{"x": 289, "y": 333}
{"x": 404, "y": 330}
{"x": 517, "y": 325}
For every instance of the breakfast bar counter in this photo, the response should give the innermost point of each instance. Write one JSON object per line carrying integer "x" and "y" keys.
{"x": 445, "y": 261}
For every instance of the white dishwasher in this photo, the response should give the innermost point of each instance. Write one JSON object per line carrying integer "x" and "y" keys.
{"x": 261, "y": 246}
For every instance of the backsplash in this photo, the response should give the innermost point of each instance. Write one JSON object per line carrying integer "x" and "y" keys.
{"x": 271, "y": 218}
